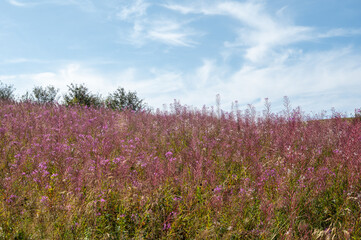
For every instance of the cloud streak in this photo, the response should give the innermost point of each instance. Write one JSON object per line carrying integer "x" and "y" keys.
{"x": 86, "y": 5}
{"x": 134, "y": 9}
{"x": 147, "y": 28}
{"x": 17, "y": 4}
{"x": 165, "y": 31}
{"x": 261, "y": 35}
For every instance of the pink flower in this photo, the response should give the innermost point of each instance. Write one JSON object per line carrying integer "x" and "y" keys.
{"x": 169, "y": 154}
{"x": 44, "y": 199}
{"x": 166, "y": 226}
{"x": 218, "y": 189}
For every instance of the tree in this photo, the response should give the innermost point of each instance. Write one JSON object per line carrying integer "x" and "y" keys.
{"x": 120, "y": 100}
{"x": 27, "y": 97}
{"x": 45, "y": 95}
{"x": 6, "y": 92}
{"x": 80, "y": 95}
{"x": 41, "y": 95}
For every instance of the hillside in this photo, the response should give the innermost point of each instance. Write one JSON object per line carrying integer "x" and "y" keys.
{"x": 85, "y": 173}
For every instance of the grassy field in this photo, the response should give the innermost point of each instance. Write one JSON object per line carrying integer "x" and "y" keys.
{"x": 84, "y": 173}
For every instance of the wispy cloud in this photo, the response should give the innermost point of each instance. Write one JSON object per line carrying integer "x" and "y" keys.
{"x": 86, "y": 5}
{"x": 180, "y": 8}
{"x": 261, "y": 34}
{"x": 171, "y": 33}
{"x": 16, "y": 3}
{"x": 133, "y": 9}
{"x": 21, "y": 60}
{"x": 340, "y": 32}
{"x": 149, "y": 28}
{"x": 163, "y": 30}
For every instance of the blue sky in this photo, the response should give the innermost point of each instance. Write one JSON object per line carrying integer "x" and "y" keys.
{"x": 189, "y": 50}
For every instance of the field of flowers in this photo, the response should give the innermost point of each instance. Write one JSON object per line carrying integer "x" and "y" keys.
{"x": 85, "y": 173}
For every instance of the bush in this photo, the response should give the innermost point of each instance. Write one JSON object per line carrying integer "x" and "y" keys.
{"x": 45, "y": 95}
{"x": 41, "y": 95}
{"x": 80, "y": 95}
{"x": 6, "y": 92}
{"x": 358, "y": 113}
{"x": 27, "y": 97}
{"x": 121, "y": 100}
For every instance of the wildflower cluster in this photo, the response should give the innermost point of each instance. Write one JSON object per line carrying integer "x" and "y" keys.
{"x": 85, "y": 173}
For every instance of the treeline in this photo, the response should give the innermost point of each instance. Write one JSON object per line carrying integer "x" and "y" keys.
{"x": 78, "y": 94}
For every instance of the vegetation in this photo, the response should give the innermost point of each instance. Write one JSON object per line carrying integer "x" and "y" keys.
{"x": 41, "y": 95}
{"x": 358, "y": 113}
{"x": 120, "y": 100}
{"x": 80, "y": 95}
{"x": 93, "y": 173}
{"x": 45, "y": 95}
{"x": 6, "y": 92}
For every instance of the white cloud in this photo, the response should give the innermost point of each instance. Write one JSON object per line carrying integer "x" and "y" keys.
{"x": 179, "y": 8}
{"x": 316, "y": 81}
{"x": 195, "y": 7}
{"x": 163, "y": 30}
{"x": 314, "y": 77}
{"x": 16, "y": 3}
{"x": 21, "y": 60}
{"x": 203, "y": 73}
{"x": 134, "y": 9}
{"x": 261, "y": 34}
{"x": 208, "y": 75}
{"x": 86, "y": 5}
{"x": 340, "y": 32}
{"x": 156, "y": 86}
{"x": 149, "y": 28}
{"x": 170, "y": 32}
{"x": 71, "y": 73}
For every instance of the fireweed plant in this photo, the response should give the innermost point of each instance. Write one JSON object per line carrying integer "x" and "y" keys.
{"x": 85, "y": 173}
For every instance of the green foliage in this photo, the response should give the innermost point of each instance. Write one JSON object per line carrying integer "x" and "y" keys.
{"x": 41, "y": 95}
{"x": 6, "y": 92}
{"x": 120, "y": 100}
{"x": 27, "y": 97}
{"x": 45, "y": 95}
{"x": 80, "y": 95}
{"x": 358, "y": 113}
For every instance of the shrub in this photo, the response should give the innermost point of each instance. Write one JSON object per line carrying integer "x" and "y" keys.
{"x": 358, "y": 113}
{"x": 120, "y": 100}
{"x": 80, "y": 95}
{"x": 41, "y": 95}
{"x": 6, "y": 92}
{"x": 27, "y": 97}
{"x": 45, "y": 95}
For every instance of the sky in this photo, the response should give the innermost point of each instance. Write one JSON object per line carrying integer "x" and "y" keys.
{"x": 246, "y": 51}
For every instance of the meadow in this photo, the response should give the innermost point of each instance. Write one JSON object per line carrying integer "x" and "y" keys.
{"x": 93, "y": 173}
